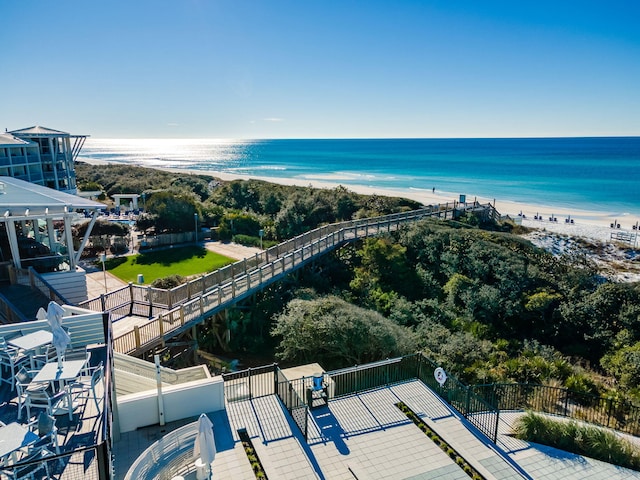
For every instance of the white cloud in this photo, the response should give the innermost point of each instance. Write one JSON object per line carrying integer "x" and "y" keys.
{"x": 273, "y": 119}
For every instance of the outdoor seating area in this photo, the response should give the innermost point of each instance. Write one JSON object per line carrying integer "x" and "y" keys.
{"x": 50, "y": 387}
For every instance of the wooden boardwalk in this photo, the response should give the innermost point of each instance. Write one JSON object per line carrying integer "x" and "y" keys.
{"x": 172, "y": 312}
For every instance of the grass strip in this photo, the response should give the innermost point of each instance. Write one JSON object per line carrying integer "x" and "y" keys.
{"x": 252, "y": 455}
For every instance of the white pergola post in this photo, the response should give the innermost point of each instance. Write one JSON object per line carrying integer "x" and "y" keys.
{"x": 94, "y": 217}
{"x": 69, "y": 241}
{"x": 51, "y": 233}
{"x": 13, "y": 242}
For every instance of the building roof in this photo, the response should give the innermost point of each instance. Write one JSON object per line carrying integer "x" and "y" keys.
{"x": 8, "y": 140}
{"x": 16, "y": 196}
{"x": 38, "y": 131}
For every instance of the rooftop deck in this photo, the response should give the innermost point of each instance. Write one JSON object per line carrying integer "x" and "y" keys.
{"x": 84, "y": 438}
{"x": 365, "y": 436}
{"x": 78, "y": 438}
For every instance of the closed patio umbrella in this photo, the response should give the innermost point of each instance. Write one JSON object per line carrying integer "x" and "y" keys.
{"x": 205, "y": 445}
{"x": 60, "y": 337}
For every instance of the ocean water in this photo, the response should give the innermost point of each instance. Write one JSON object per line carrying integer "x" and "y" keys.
{"x": 598, "y": 174}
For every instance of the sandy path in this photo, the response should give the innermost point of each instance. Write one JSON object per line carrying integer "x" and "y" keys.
{"x": 232, "y": 250}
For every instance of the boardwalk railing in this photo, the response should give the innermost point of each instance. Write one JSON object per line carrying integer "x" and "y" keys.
{"x": 173, "y": 311}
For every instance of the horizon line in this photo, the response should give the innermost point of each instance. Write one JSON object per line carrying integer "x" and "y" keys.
{"x": 367, "y": 138}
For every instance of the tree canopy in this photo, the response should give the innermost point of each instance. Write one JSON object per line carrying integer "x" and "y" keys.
{"x": 335, "y": 333}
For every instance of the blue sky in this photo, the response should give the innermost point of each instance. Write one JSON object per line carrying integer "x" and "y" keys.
{"x": 323, "y": 69}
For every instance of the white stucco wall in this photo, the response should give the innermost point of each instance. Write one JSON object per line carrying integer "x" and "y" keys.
{"x": 180, "y": 401}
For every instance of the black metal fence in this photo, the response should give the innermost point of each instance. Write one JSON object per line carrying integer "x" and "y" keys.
{"x": 360, "y": 378}
{"x": 371, "y": 375}
{"x": 480, "y": 413}
{"x": 250, "y": 383}
{"x": 267, "y": 380}
{"x": 292, "y": 396}
{"x": 621, "y": 416}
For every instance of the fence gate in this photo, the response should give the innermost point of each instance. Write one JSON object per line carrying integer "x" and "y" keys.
{"x": 293, "y": 401}
{"x": 472, "y": 406}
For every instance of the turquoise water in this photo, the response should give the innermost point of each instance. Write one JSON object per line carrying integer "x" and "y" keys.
{"x": 600, "y": 174}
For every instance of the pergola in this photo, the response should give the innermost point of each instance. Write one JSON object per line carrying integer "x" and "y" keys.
{"x": 118, "y": 197}
{"x": 27, "y": 232}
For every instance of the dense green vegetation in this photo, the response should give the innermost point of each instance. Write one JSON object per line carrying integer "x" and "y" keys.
{"x": 183, "y": 261}
{"x": 238, "y": 208}
{"x": 571, "y": 436}
{"x": 487, "y": 305}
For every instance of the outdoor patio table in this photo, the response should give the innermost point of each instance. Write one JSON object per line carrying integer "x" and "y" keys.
{"x": 13, "y": 437}
{"x": 51, "y": 373}
{"x": 32, "y": 342}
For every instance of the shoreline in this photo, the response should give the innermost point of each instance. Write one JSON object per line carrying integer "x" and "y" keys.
{"x": 587, "y": 223}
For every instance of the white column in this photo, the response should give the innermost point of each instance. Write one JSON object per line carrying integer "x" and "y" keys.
{"x": 51, "y": 232}
{"x": 69, "y": 241}
{"x": 13, "y": 243}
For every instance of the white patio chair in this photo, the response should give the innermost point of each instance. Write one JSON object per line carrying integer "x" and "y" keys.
{"x": 31, "y": 464}
{"x": 24, "y": 385}
{"x": 50, "y": 355}
{"x": 87, "y": 384}
{"x": 80, "y": 354}
{"x": 45, "y": 427}
{"x": 43, "y": 399}
{"x": 10, "y": 358}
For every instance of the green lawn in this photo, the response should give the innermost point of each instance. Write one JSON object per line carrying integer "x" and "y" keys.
{"x": 183, "y": 261}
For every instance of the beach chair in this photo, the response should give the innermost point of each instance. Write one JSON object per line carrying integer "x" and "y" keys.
{"x": 317, "y": 395}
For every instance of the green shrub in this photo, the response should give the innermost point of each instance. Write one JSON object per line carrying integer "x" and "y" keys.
{"x": 579, "y": 382}
{"x": 169, "y": 282}
{"x": 591, "y": 441}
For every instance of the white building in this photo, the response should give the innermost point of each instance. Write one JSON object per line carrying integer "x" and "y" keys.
{"x": 42, "y": 156}
{"x": 35, "y": 231}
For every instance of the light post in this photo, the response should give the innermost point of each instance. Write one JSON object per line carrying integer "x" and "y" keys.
{"x": 261, "y": 234}
{"x": 103, "y": 258}
{"x": 195, "y": 220}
